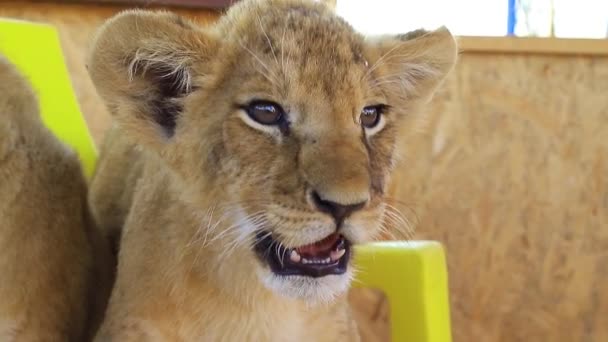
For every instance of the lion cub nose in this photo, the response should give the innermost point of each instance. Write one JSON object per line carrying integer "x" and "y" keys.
{"x": 337, "y": 210}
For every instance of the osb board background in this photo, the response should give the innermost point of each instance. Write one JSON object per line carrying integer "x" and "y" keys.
{"x": 510, "y": 174}
{"x": 512, "y": 177}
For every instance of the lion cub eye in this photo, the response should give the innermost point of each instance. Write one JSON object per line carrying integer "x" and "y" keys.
{"x": 370, "y": 115}
{"x": 265, "y": 112}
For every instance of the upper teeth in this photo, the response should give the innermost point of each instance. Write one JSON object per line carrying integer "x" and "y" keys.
{"x": 294, "y": 256}
{"x": 335, "y": 255}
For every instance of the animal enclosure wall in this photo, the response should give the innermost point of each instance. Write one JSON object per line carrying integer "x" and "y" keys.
{"x": 510, "y": 173}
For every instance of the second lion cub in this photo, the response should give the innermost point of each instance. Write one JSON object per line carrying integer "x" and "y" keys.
{"x": 54, "y": 280}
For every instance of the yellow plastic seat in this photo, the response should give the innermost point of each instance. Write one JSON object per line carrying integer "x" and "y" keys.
{"x": 412, "y": 274}
{"x": 35, "y": 50}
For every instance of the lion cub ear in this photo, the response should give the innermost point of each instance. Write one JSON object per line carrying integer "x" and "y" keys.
{"x": 415, "y": 63}
{"x": 143, "y": 64}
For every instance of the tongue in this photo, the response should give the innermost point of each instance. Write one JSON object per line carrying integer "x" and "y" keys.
{"x": 319, "y": 248}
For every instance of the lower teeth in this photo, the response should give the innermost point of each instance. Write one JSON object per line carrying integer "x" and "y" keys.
{"x": 316, "y": 261}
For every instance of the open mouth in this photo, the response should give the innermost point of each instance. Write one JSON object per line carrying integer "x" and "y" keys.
{"x": 318, "y": 259}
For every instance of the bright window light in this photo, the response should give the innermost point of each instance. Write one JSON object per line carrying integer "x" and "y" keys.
{"x": 464, "y": 17}
{"x": 572, "y": 19}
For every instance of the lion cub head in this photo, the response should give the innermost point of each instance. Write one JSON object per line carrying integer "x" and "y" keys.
{"x": 280, "y": 121}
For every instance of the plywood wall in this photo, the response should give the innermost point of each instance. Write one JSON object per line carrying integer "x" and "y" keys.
{"x": 510, "y": 173}
{"x": 512, "y": 176}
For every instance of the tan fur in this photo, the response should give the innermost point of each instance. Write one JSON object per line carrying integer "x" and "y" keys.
{"x": 186, "y": 269}
{"x": 51, "y": 273}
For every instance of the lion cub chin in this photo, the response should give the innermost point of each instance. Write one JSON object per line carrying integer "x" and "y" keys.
{"x": 51, "y": 257}
{"x": 246, "y": 160}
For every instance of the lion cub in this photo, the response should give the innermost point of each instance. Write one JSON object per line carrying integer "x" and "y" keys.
{"x": 51, "y": 276}
{"x": 246, "y": 160}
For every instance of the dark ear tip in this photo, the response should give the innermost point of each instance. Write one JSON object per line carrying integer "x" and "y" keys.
{"x": 413, "y": 34}
{"x": 439, "y": 32}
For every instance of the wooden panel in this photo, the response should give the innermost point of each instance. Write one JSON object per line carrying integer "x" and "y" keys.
{"x": 531, "y": 45}
{"x": 511, "y": 175}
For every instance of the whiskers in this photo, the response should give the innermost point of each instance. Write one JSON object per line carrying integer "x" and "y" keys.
{"x": 396, "y": 224}
{"x": 267, "y": 39}
{"x": 242, "y": 233}
{"x": 226, "y": 227}
{"x": 267, "y": 73}
{"x": 275, "y": 74}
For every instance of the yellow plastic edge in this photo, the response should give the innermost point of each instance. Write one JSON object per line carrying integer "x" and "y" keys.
{"x": 413, "y": 276}
{"x": 36, "y": 51}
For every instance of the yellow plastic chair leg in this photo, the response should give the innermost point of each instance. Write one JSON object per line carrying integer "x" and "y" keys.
{"x": 36, "y": 51}
{"x": 413, "y": 276}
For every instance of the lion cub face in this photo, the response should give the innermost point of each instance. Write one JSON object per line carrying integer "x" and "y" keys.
{"x": 280, "y": 125}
